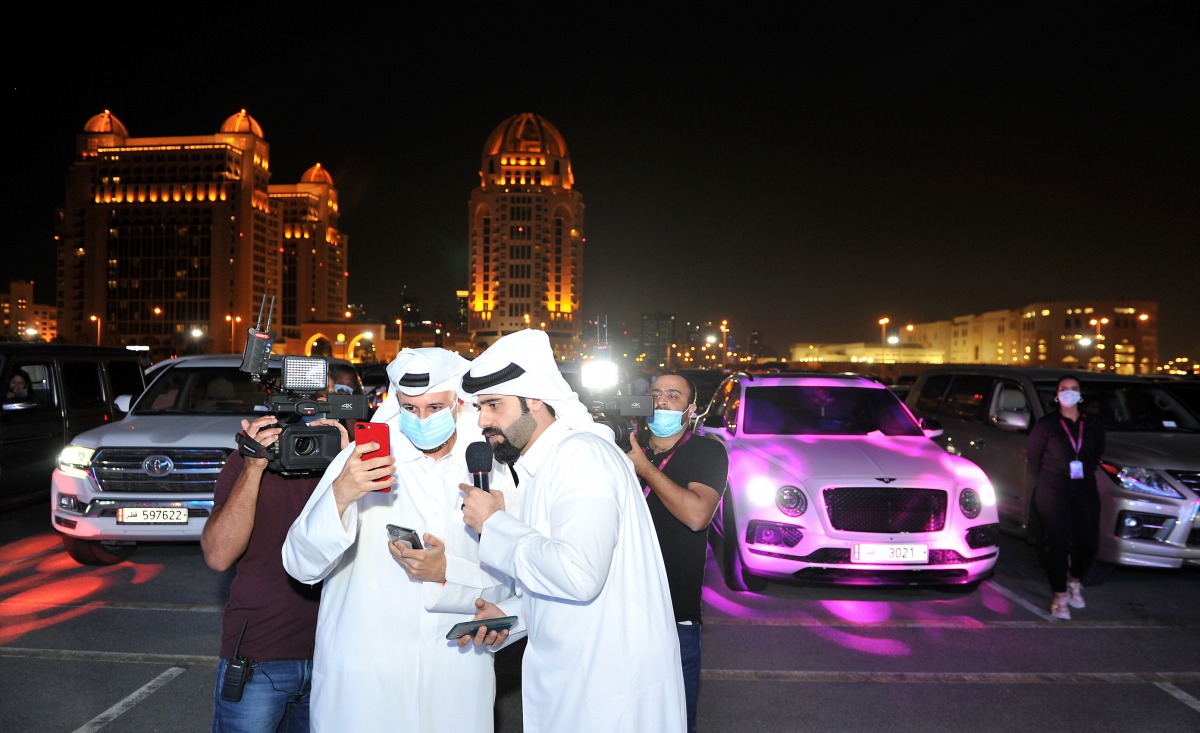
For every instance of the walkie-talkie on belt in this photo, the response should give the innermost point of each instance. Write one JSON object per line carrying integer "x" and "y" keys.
{"x": 237, "y": 672}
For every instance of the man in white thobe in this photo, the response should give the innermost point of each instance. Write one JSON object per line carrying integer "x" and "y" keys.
{"x": 382, "y": 662}
{"x": 602, "y": 653}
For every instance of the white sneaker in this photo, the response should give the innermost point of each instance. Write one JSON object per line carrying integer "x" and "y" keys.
{"x": 1075, "y": 594}
{"x": 1060, "y": 610}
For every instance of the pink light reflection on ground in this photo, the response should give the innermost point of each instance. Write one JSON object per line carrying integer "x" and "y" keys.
{"x": 25, "y": 548}
{"x": 10, "y": 633}
{"x": 867, "y": 645}
{"x": 44, "y": 586}
{"x": 855, "y": 611}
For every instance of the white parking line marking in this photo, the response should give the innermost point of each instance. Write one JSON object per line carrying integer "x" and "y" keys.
{"x": 140, "y": 694}
{"x": 1019, "y": 599}
{"x": 1179, "y": 695}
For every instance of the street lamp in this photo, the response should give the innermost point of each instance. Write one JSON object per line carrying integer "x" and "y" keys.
{"x": 233, "y": 321}
{"x": 96, "y": 319}
{"x": 883, "y": 322}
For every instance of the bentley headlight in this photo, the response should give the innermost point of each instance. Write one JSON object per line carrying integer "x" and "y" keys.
{"x": 969, "y": 503}
{"x": 791, "y": 501}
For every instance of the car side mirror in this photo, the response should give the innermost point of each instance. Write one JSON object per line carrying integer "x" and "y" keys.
{"x": 122, "y": 402}
{"x": 1011, "y": 420}
{"x": 931, "y": 427}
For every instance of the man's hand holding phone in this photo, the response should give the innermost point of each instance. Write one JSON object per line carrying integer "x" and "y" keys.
{"x": 363, "y": 473}
{"x": 485, "y": 636}
{"x": 427, "y": 562}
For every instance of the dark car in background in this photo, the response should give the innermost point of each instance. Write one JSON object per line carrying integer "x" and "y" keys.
{"x": 374, "y": 382}
{"x": 1186, "y": 391}
{"x": 1149, "y": 475}
{"x": 706, "y": 381}
{"x": 71, "y": 389}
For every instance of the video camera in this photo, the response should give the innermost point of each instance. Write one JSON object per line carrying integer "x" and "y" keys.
{"x": 619, "y": 413}
{"x": 301, "y": 448}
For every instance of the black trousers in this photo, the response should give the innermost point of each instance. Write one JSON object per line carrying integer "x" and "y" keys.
{"x": 1069, "y": 512}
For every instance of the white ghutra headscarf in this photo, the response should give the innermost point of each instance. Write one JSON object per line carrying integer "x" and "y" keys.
{"x": 522, "y": 364}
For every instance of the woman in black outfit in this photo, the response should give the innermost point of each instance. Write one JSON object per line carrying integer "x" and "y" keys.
{"x": 1063, "y": 451}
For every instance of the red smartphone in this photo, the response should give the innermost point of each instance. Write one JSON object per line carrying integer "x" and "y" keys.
{"x": 367, "y": 432}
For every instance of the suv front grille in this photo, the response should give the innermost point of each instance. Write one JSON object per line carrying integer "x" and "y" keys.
{"x": 885, "y": 509}
{"x": 119, "y": 470}
{"x": 1190, "y": 479}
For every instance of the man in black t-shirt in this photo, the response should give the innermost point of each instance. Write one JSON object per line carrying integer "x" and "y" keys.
{"x": 683, "y": 475}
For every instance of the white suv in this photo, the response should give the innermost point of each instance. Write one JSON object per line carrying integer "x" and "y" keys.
{"x": 1148, "y": 477}
{"x": 151, "y": 475}
{"x": 832, "y": 480}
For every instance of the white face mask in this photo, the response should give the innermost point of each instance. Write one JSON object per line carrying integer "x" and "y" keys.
{"x": 1069, "y": 398}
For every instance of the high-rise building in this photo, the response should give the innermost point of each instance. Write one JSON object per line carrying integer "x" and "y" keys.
{"x": 658, "y": 336}
{"x": 525, "y": 265}
{"x": 21, "y": 319}
{"x": 173, "y": 242}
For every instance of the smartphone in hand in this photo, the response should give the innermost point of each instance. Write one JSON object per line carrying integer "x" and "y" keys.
{"x": 367, "y": 432}
{"x": 470, "y": 628}
{"x": 405, "y": 535}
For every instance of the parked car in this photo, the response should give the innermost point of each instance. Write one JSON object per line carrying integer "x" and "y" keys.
{"x": 1149, "y": 476}
{"x": 1186, "y": 391}
{"x": 706, "y": 381}
{"x": 374, "y": 381}
{"x": 151, "y": 475}
{"x": 832, "y": 480}
{"x": 71, "y": 389}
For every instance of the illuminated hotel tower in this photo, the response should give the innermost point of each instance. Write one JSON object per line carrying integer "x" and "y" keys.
{"x": 526, "y": 238}
{"x": 162, "y": 238}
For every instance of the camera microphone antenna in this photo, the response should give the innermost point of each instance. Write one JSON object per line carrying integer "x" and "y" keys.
{"x": 258, "y": 343}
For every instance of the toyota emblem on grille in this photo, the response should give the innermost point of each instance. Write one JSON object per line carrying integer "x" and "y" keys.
{"x": 158, "y": 465}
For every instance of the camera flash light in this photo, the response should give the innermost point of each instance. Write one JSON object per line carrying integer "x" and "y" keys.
{"x": 304, "y": 373}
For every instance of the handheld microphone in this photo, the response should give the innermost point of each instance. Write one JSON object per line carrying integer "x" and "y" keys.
{"x": 479, "y": 463}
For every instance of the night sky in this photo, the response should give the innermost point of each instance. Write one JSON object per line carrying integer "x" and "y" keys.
{"x": 801, "y": 174}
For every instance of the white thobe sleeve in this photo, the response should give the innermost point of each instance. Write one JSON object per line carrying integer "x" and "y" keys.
{"x": 573, "y": 561}
{"x": 319, "y": 536}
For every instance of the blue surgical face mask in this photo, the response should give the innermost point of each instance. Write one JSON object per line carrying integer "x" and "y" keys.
{"x": 665, "y": 423}
{"x": 431, "y": 432}
{"x": 1069, "y": 398}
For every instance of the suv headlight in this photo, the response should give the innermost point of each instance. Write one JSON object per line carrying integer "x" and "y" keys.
{"x": 1141, "y": 480}
{"x": 76, "y": 457}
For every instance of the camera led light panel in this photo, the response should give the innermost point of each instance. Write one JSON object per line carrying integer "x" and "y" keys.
{"x": 304, "y": 373}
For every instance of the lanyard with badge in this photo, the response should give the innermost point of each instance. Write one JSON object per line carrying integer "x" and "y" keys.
{"x": 1076, "y": 466}
{"x": 663, "y": 465}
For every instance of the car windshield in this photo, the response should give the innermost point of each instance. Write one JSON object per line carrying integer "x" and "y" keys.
{"x": 799, "y": 410}
{"x": 184, "y": 389}
{"x": 1126, "y": 406}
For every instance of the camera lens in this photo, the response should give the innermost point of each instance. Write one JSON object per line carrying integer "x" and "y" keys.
{"x": 305, "y": 446}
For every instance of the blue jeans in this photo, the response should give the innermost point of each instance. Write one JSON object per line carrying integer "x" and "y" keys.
{"x": 689, "y": 652}
{"x": 275, "y": 699}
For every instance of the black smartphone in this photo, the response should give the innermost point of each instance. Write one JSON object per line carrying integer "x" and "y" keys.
{"x": 470, "y": 628}
{"x": 405, "y": 535}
